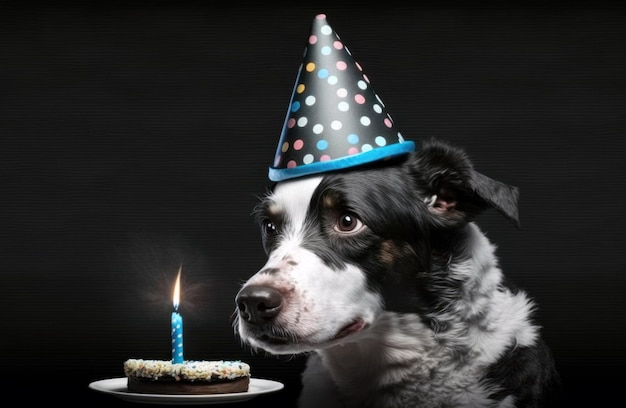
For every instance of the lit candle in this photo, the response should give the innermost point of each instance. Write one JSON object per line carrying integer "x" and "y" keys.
{"x": 177, "y": 325}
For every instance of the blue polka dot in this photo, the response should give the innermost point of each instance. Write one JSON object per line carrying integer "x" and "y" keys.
{"x": 353, "y": 138}
{"x": 322, "y": 73}
{"x": 322, "y": 145}
{"x": 295, "y": 106}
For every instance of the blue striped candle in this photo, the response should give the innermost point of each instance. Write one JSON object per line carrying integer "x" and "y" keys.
{"x": 177, "y": 325}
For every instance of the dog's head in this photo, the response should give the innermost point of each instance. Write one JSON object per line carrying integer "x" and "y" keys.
{"x": 344, "y": 247}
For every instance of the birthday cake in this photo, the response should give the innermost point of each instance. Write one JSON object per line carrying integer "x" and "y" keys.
{"x": 189, "y": 377}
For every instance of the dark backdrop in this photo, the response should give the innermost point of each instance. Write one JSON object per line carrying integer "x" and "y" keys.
{"x": 136, "y": 137}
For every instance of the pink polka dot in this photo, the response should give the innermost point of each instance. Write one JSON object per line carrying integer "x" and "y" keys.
{"x": 291, "y": 123}
{"x": 320, "y": 16}
{"x": 341, "y": 65}
{"x": 291, "y": 164}
{"x": 366, "y": 78}
{"x": 358, "y": 66}
{"x": 353, "y": 150}
{"x": 298, "y": 144}
{"x": 388, "y": 122}
{"x": 360, "y": 99}
{"x": 338, "y": 45}
{"x": 312, "y": 39}
{"x": 324, "y": 157}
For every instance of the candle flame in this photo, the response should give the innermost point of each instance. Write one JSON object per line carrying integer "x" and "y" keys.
{"x": 176, "y": 297}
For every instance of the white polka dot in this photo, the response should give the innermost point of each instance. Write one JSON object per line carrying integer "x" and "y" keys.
{"x": 332, "y": 80}
{"x": 380, "y": 141}
{"x": 336, "y": 124}
{"x": 302, "y": 121}
{"x": 365, "y": 121}
{"x": 317, "y": 129}
{"x": 380, "y": 100}
{"x": 361, "y": 85}
{"x": 310, "y": 100}
{"x": 342, "y": 92}
{"x": 377, "y": 108}
{"x": 326, "y": 30}
{"x": 366, "y": 147}
{"x": 307, "y": 159}
{"x": 343, "y": 106}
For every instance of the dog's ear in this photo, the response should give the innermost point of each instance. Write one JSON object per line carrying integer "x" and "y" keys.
{"x": 456, "y": 192}
{"x": 498, "y": 195}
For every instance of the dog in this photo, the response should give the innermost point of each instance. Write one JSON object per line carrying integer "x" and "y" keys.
{"x": 380, "y": 275}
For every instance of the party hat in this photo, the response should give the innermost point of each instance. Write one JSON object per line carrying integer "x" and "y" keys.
{"x": 335, "y": 118}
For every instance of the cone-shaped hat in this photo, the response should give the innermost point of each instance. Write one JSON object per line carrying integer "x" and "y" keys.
{"x": 335, "y": 118}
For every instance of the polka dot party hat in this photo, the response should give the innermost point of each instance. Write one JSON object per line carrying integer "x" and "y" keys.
{"x": 335, "y": 118}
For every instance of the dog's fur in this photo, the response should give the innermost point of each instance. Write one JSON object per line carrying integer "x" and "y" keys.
{"x": 382, "y": 276}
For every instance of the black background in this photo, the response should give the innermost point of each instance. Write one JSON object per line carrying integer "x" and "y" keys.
{"x": 137, "y": 136}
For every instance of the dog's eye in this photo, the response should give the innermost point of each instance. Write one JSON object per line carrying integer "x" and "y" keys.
{"x": 348, "y": 223}
{"x": 270, "y": 228}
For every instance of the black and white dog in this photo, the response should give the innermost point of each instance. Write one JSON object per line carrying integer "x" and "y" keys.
{"x": 380, "y": 273}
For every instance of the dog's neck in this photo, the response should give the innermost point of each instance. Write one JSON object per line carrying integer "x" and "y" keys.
{"x": 393, "y": 348}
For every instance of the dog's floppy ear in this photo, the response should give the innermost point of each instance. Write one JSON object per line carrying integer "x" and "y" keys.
{"x": 456, "y": 192}
{"x": 498, "y": 195}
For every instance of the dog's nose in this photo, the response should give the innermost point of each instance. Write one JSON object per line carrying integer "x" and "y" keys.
{"x": 258, "y": 304}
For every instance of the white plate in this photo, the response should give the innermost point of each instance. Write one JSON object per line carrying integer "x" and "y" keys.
{"x": 118, "y": 388}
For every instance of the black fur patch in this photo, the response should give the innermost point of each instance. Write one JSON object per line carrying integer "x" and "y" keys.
{"x": 528, "y": 373}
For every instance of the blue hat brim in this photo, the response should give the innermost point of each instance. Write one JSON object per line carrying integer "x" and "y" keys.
{"x": 396, "y": 149}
